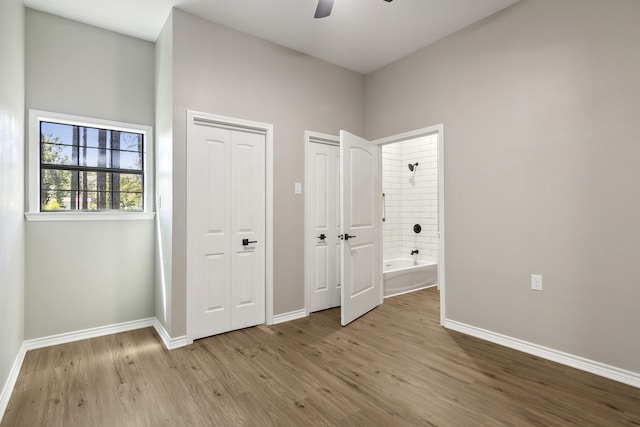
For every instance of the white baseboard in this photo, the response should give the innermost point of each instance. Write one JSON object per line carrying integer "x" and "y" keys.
{"x": 591, "y": 366}
{"x": 287, "y": 317}
{"x": 99, "y": 331}
{"x": 9, "y": 385}
{"x": 169, "y": 343}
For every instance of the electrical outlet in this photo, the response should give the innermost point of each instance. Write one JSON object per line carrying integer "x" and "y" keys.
{"x": 536, "y": 282}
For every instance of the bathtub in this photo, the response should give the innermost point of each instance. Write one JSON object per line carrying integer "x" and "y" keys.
{"x": 405, "y": 275}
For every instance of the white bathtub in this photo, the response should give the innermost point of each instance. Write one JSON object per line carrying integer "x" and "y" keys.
{"x": 406, "y": 275}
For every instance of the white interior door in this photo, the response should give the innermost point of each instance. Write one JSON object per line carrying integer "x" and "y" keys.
{"x": 360, "y": 218}
{"x": 323, "y": 225}
{"x": 226, "y": 229}
{"x": 248, "y": 228}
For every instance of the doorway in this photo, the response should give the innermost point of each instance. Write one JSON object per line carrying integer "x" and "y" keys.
{"x": 322, "y": 221}
{"x": 316, "y": 281}
{"x": 410, "y": 215}
{"x": 342, "y": 234}
{"x": 431, "y": 132}
{"x": 229, "y": 224}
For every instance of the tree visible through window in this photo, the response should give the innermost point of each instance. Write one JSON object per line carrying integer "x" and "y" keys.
{"x": 85, "y": 168}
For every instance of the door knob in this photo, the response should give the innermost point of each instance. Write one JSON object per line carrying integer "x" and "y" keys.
{"x": 345, "y": 236}
{"x": 245, "y": 242}
{"x": 322, "y": 236}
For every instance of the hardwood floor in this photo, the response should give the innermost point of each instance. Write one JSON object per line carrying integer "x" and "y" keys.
{"x": 396, "y": 366}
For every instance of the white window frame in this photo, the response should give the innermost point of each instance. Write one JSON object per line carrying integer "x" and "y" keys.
{"x": 33, "y": 189}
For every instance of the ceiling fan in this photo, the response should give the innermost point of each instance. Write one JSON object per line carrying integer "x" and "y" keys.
{"x": 324, "y": 8}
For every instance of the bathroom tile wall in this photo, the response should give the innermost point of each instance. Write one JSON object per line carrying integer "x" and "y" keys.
{"x": 411, "y": 198}
{"x": 420, "y": 197}
{"x": 392, "y": 210}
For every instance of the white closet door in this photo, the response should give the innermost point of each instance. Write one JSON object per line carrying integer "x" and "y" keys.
{"x": 323, "y": 226}
{"x": 209, "y": 197}
{"x": 225, "y": 205}
{"x": 248, "y": 229}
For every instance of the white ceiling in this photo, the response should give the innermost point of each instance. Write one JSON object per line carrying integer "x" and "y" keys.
{"x": 362, "y": 35}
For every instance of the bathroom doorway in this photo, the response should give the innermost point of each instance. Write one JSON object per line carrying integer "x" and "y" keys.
{"x": 412, "y": 171}
{"x": 410, "y": 215}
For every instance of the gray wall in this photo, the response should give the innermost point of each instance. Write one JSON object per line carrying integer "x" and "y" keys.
{"x": 76, "y": 68}
{"x": 164, "y": 174}
{"x": 11, "y": 184}
{"x": 222, "y": 71}
{"x": 542, "y": 165}
{"x": 86, "y": 274}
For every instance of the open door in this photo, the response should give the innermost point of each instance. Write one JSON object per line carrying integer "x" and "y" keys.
{"x": 360, "y": 239}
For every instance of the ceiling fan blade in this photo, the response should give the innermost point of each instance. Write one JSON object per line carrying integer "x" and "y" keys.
{"x": 324, "y": 8}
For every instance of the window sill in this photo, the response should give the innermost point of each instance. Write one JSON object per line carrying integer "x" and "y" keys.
{"x": 89, "y": 216}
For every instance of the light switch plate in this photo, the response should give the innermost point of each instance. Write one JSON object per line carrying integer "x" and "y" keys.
{"x": 536, "y": 282}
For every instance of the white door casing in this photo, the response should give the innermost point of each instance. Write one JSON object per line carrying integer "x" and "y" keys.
{"x": 322, "y": 222}
{"x": 227, "y": 188}
{"x": 360, "y": 217}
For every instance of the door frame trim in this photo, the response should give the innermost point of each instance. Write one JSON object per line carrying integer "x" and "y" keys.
{"x": 414, "y": 134}
{"x": 311, "y": 137}
{"x": 243, "y": 125}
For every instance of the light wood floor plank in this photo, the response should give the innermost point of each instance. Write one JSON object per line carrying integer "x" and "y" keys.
{"x": 396, "y": 366}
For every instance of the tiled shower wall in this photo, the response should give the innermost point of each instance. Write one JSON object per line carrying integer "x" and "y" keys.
{"x": 392, "y": 201}
{"x": 410, "y": 198}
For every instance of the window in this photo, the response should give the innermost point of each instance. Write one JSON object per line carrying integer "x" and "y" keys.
{"x": 82, "y": 165}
